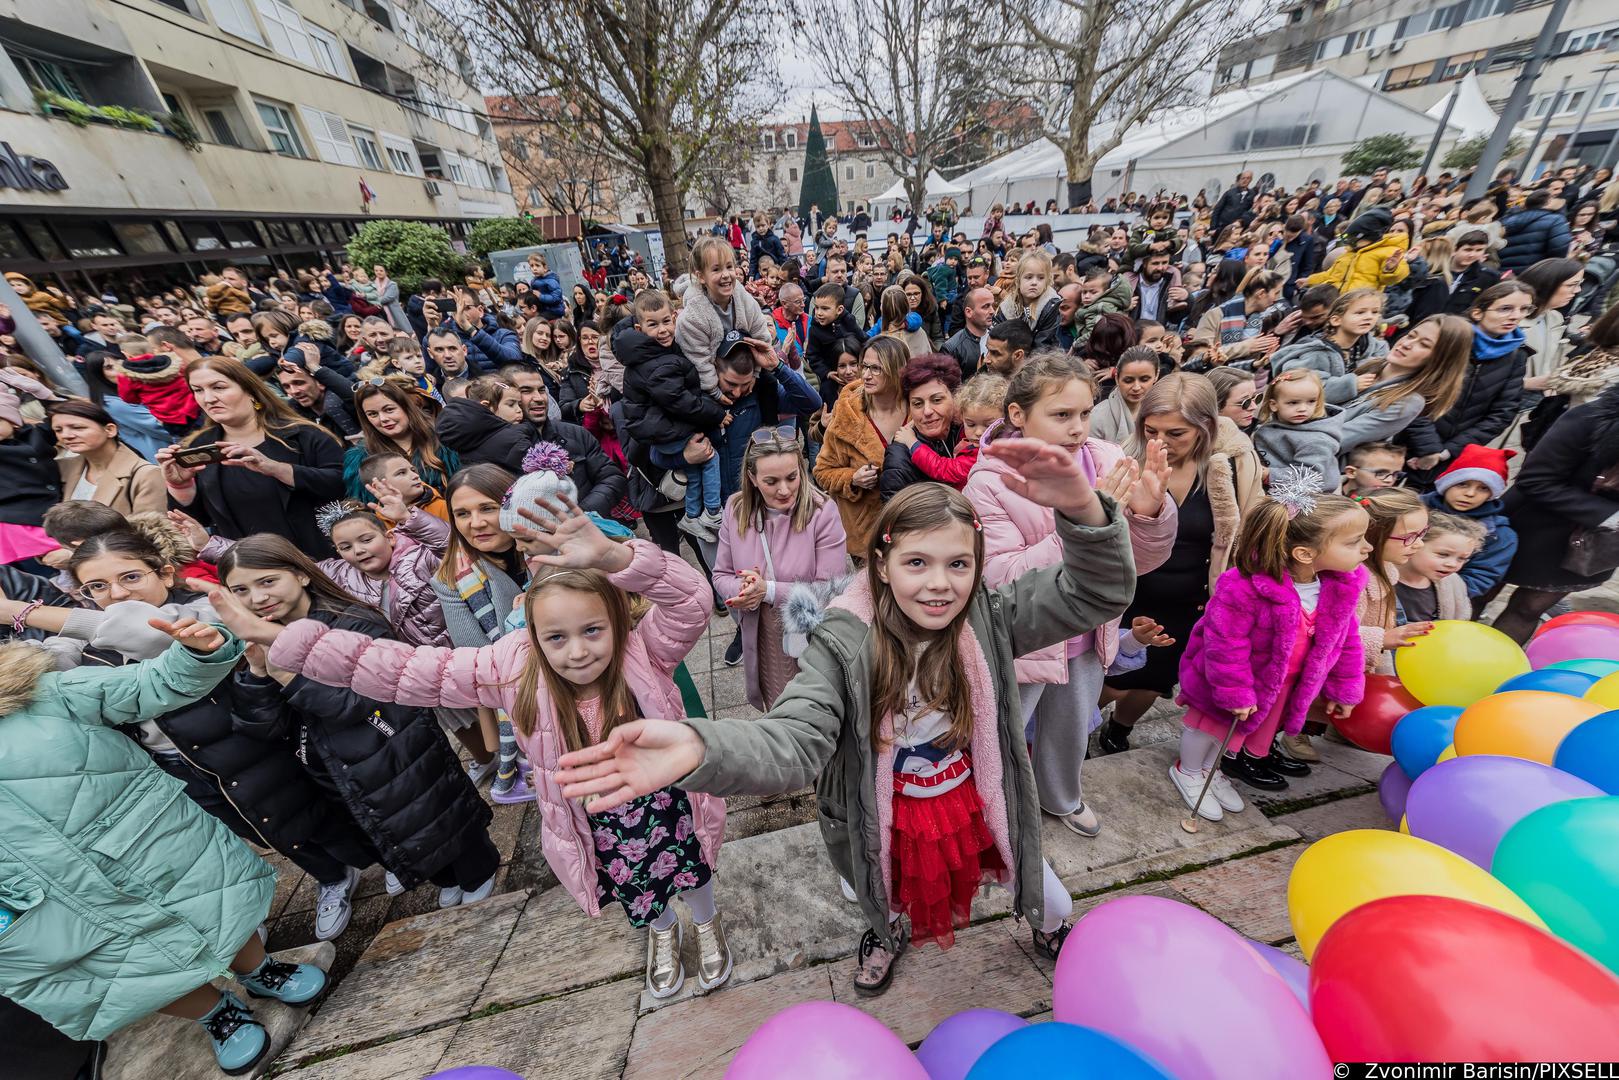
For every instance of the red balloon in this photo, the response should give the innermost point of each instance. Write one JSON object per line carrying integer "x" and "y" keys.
{"x": 1371, "y": 724}
{"x": 1431, "y": 978}
{"x": 1578, "y": 618}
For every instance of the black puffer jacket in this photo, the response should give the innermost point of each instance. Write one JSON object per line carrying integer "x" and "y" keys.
{"x": 1488, "y": 402}
{"x": 479, "y": 435}
{"x": 663, "y": 401}
{"x": 899, "y": 471}
{"x": 390, "y": 763}
{"x": 1533, "y": 235}
{"x": 600, "y": 482}
{"x": 574, "y": 386}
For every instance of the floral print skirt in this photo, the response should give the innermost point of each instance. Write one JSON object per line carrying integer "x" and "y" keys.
{"x": 646, "y": 853}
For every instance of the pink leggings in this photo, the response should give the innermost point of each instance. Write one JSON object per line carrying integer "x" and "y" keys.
{"x": 1256, "y": 742}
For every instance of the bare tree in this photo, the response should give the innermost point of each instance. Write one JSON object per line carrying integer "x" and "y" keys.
{"x": 554, "y": 157}
{"x": 653, "y": 84}
{"x": 1094, "y": 69}
{"x": 918, "y": 82}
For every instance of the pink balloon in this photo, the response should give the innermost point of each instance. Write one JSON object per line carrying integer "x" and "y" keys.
{"x": 1185, "y": 990}
{"x": 1579, "y": 641}
{"x": 823, "y": 1040}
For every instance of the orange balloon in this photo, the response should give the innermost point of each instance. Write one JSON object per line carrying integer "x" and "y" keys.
{"x": 1521, "y": 723}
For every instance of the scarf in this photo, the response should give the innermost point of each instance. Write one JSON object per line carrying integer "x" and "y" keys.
{"x": 1486, "y": 347}
{"x": 472, "y": 585}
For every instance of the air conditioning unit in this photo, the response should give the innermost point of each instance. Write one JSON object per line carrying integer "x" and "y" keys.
{"x": 1373, "y": 54}
{"x": 433, "y": 190}
{"x": 1396, "y": 46}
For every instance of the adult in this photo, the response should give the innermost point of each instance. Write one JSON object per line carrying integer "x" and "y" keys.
{"x": 1238, "y": 324}
{"x": 1302, "y": 250}
{"x": 204, "y": 334}
{"x": 448, "y": 352}
{"x": 1156, "y": 290}
{"x": 1556, "y": 283}
{"x": 600, "y": 481}
{"x": 759, "y": 391}
{"x": 545, "y": 286}
{"x": 1534, "y": 233}
{"x": 387, "y": 290}
{"x": 1214, "y": 477}
{"x": 432, "y": 289}
{"x": 1418, "y": 383}
{"x": 919, "y": 297}
{"x": 98, "y": 466}
{"x": 489, "y": 345}
{"x": 967, "y": 344}
{"x": 272, "y": 470}
{"x": 319, "y": 395}
{"x": 1235, "y": 203}
{"x": 394, "y": 419}
{"x": 1238, "y": 394}
{"x": 932, "y": 427}
{"x": 863, "y": 422}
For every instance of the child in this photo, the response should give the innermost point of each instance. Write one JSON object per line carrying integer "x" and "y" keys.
{"x": 1340, "y": 346}
{"x": 575, "y": 677}
{"x": 406, "y": 357}
{"x": 73, "y": 522}
{"x": 1034, "y": 301}
{"x": 1373, "y": 259}
{"x": 713, "y": 308}
{"x": 1399, "y": 522}
{"x": 1297, "y": 427}
{"x": 1472, "y": 486}
{"x": 31, "y": 482}
{"x": 665, "y": 407}
{"x": 395, "y": 471}
{"x": 830, "y": 325}
{"x": 1428, "y": 587}
{"x": 1099, "y": 294}
{"x": 1059, "y": 686}
{"x": 1115, "y": 418}
{"x": 1156, "y": 234}
{"x": 905, "y": 709}
{"x": 1280, "y": 631}
{"x": 845, "y": 374}
{"x": 157, "y": 382}
{"x": 1372, "y": 467}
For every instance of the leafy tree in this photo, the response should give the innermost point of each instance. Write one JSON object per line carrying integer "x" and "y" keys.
{"x": 1466, "y": 152}
{"x": 1386, "y": 151}
{"x": 502, "y": 234}
{"x": 820, "y": 186}
{"x": 411, "y": 250}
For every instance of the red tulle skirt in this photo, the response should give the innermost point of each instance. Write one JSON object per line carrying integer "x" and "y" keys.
{"x": 942, "y": 851}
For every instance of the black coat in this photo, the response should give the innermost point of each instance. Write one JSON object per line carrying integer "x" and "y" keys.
{"x": 390, "y": 763}
{"x": 478, "y": 435}
{"x": 246, "y": 502}
{"x": 899, "y": 471}
{"x": 600, "y": 482}
{"x": 966, "y": 349}
{"x": 1434, "y": 297}
{"x": 1234, "y": 203}
{"x": 764, "y": 243}
{"x": 1489, "y": 400}
{"x": 663, "y": 400}
{"x": 1552, "y": 495}
{"x": 30, "y": 482}
{"x": 574, "y": 386}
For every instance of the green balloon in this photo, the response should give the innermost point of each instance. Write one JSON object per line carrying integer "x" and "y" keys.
{"x": 1589, "y": 666}
{"x": 1563, "y": 860}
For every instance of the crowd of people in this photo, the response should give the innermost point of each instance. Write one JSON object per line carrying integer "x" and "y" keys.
{"x": 315, "y": 559}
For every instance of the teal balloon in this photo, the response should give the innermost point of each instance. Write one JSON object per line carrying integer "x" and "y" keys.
{"x": 1421, "y": 735}
{"x": 1058, "y": 1051}
{"x": 1591, "y": 752}
{"x": 1559, "y": 681}
{"x": 1590, "y": 666}
{"x": 1563, "y": 860}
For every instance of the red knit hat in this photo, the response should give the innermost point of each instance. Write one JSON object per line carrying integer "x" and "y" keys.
{"x": 1485, "y": 464}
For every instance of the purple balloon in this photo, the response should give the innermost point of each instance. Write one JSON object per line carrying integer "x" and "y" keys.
{"x": 951, "y": 1049}
{"x": 1393, "y": 787}
{"x": 1185, "y": 990}
{"x": 475, "y": 1072}
{"x": 823, "y": 1040}
{"x": 1467, "y": 804}
{"x": 1289, "y": 967}
{"x": 1577, "y": 641}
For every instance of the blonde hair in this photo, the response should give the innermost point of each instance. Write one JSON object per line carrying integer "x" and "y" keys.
{"x": 1439, "y": 381}
{"x": 748, "y": 506}
{"x": 1191, "y": 395}
{"x": 892, "y": 355}
{"x": 617, "y": 700}
{"x": 1437, "y": 250}
{"x": 1268, "y": 536}
{"x": 1267, "y": 409}
{"x": 1440, "y": 524}
{"x": 986, "y": 390}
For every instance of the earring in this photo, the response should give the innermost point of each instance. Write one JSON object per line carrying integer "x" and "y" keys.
{"x": 258, "y": 406}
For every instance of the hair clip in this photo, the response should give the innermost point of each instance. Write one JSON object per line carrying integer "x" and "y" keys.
{"x": 327, "y": 517}
{"x": 977, "y": 525}
{"x": 888, "y": 538}
{"x": 1297, "y": 489}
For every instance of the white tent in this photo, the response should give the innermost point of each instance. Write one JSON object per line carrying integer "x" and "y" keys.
{"x": 1472, "y": 114}
{"x": 936, "y": 188}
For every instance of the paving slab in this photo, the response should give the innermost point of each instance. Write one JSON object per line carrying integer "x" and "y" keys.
{"x": 555, "y": 947}
{"x": 417, "y": 973}
{"x": 1249, "y": 895}
{"x": 1356, "y": 812}
{"x": 403, "y": 1059}
{"x": 1352, "y": 759}
{"x": 1326, "y": 781}
{"x": 177, "y": 1049}
{"x": 580, "y": 1036}
{"x": 729, "y": 689}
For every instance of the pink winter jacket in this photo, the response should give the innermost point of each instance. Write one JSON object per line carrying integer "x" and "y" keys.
{"x": 467, "y": 678}
{"x": 1236, "y": 656}
{"x": 1020, "y": 535}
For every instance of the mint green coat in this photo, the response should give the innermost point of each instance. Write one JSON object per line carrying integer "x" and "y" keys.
{"x": 128, "y": 894}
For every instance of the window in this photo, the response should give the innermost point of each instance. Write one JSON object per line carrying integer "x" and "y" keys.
{"x": 43, "y": 241}
{"x": 140, "y": 238}
{"x": 1410, "y": 75}
{"x": 452, "y": 164}
{"x": 1462, "y": 63}
{"x": 201, "y": 236}
{"x": 330, "y": 54}
{"x": 770, "y": 175}
{"x": 235, "y": 17}
{"x": 283, "y": 132}
{"x": 1594, "y": 38}
{"x": 534, "y": 197}
{"x": 848, "y": 172}
{"x": 331, "y": 136}
{"x": 240, "y": 234}
{"x": 1609, "y": 98}
{"x": 791, "y": 138}
{"x": 88, "y": 239}
{"x": 220, "y": 126}
{"x": 12, "y": 246}
{"x": 365, "y": 143}
{"x": 792, "y": 175}
{"x": 871, "y": 171}
{"x": 286, "y": 30}
{"x": 50, "y": 76}
{"x": 768, "y": 140}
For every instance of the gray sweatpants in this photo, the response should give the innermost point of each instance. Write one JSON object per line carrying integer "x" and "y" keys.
{"x": 1057, "y": 722}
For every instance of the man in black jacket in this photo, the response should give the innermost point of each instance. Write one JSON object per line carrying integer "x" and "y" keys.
{"x": 1235, "y": 202}
{"x": 966, "y": 345}
{"x": 321, "y": 396}
{"x": 601, "y": 484}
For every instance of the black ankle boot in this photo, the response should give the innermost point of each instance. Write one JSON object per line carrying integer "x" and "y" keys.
{"x": 1282, "y": 765}
{"x": 1113, "y": 738}
{"x": 1251, "y": 771}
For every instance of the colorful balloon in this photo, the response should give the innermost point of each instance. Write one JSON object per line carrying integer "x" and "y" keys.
{"x": 1521, "y": 723}
{"x": 1573, "y": 642}
{"x": 1370, "y": 724}
{"x": 1422, "y": 735}
{"x": 951, "y": 1048}
{"x": 1392, "y": 788}
{"x": 1561, "y": 859}
{"x": 1589, "y": 665}
{"x": 1551, "y": 680}
{"x": 1289, "y": 967}
{"x": 475, "y": 1072}
{"x": 1467, "y": 805}
{"x": 823, "y": 1040}
{"x": 1058, "y": 1051}
{"x": 1578, "y": 618}
{"x": 1447, "y": 754}
{"x": 1605, "y": 692}
{"x": 1430, "y": 978}
{"x": 1591, "y": 752}
{"x": 1458, "y": 662}
{"x": 1339, "y": 873}
{"x": 1133, "y": 962}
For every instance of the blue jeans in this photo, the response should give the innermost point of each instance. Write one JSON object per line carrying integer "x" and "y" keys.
{"x": 702, "y": 481}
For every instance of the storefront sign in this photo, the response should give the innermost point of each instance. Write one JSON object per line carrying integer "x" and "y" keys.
{"x": 28, "y": 173}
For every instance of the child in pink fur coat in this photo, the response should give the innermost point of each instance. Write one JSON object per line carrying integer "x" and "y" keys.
{"x": 1280, "y": 630}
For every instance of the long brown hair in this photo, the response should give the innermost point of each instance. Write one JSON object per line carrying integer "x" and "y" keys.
{"x": 267, "y": 551}
{"x": 1386, "y": 507}
{"x": 423, "y": 437}
{"x": 1268, "y": 536}
{"x": 488, "y": 480}
{"x": 892, "y": 356}
{"x": 617, "y": 701}
{"x": 270, "y": 410}
{"x": 940, "y": 681}
{"x": 1440, "y": 379}
{"x": 748, "y": 506}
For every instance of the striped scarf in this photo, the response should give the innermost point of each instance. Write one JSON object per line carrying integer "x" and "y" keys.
{"x": 472, "y": 585}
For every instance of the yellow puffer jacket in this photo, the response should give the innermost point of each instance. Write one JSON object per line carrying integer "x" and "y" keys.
{"x": 1362, "y": 268}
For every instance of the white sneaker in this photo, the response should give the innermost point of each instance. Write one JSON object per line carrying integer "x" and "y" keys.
{"x": 479, "y": 771}
{"x": 848, "y": 891}
{"x": 450, "y": 896}
{"x": 392, "y": 884}
{"x": 1189, "y": 784}
{"x": 1226, "y": 795}
{"x": 1083, "y": 821}
{"x": 333, "y": 906}
{"x": 482, "y": 892}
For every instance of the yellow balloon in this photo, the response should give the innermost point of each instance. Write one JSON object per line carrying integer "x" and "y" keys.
{"x": 1405, "y": 826}
{"x": 1341, "y": 872}
{"x": 1457, "y": 663}
{"x": 1521, "y": 723}
{"x": 1446, "y": 754}
{"x": 1605, "y": 691}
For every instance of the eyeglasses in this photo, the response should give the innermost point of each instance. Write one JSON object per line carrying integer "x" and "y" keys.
{"x": 93, "y": 590}
{"x": 782, "y": 433}
{"x": 871, "y": 369}
{"x": 1248, "y": 402}
{"x": 1395, "y": 475}
{"x": 1411, "y": 539}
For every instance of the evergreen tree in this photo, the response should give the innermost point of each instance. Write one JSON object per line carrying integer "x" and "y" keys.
{"x": 820, "y": 186}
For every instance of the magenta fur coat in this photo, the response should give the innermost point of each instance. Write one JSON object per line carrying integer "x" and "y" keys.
{"x": 1237, "y": 655}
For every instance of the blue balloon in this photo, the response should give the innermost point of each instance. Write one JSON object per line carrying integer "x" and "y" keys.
{"x": 1421, "y": 735}
{"x": 1553, "y": 680}
{"x": 1591, "y": 666}
{"x": 1058, "y": 1051}
{"x": 1591, "y": 752}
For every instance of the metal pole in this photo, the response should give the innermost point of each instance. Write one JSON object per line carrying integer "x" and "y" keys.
{"x": 38, "y": 344}
{"x": 1579, "y": 125}
{"x": 1491, "y": 157}
{"x": 1439, "y": 132}
{"x": 1540, "y": 132}
{"x": 1613, "y": 148}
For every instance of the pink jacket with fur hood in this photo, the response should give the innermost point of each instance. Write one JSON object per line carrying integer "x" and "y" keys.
{"x": 1236, "y": 657}
{"x": 466, "y": 678}
{"x": 1020, "y": 535}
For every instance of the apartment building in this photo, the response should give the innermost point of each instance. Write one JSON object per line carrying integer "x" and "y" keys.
{"x": 144, "y": 133}
{"x": 1416, "y": 50}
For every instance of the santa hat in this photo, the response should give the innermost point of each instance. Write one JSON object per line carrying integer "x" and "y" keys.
{"x": 1485, "y": 464}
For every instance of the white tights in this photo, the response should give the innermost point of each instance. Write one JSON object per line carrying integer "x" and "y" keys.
{"x": 701, "y": 902}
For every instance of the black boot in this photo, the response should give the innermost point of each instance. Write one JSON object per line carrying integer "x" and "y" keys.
{"x": 1251, "y": 771}
{"x": 1113, "y": 738}
{"x": 1282, "y": 765}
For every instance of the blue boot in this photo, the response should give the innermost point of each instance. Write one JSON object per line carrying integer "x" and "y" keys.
{"x": 240, "y": 1041}
{"x": 290, "y": 984}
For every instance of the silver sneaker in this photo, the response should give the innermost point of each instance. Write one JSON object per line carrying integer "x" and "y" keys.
{"x": 665, "y": 973}
{"x": 333, "y": 906}
{"x": 1083, "y": 821}
{"x": 713, "y": 954}
{"x": 450, "y": 896}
